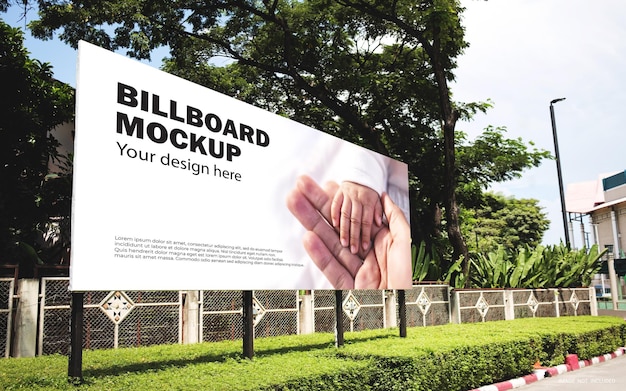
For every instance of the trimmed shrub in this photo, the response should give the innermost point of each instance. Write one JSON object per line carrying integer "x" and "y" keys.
{"x": 449, "y": 357}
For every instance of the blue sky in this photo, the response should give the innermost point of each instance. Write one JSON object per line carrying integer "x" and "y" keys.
{"x": 522, "y": 54}
{"x": 61, "y": 56}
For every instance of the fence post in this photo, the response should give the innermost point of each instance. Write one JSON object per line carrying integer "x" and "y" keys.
{"x": 593, "y": 302}
{"x": 455, "y": 306}
{"x": 25, "y": 337}
{"x": 338, "y": 318}
{"x": 391, "y": 305}
{"x": 75, "y": 362}
{"x": 191, "y": 333}
{"x": 509, "y": 305}
{"x": 556, "y": 303}
{"x": 305, "y": 313}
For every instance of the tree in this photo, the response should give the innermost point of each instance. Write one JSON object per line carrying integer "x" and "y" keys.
{"x": 32, "y": 104}
{"x": 437, "y": 30}
{"x": 504, "y": 222}
{"x": 492, "y": 158}
{"x": 489, "y": 219}
{"x": 371, "y": 72}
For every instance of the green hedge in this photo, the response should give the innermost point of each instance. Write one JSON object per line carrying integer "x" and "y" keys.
{"x": 461, "y": 357}
{"x": 449, "y": 357}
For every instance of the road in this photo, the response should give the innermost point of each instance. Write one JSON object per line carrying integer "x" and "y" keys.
{"x": 606, "y": 376}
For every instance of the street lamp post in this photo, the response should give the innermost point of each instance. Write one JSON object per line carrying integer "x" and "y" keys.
{"x": 558, "y": 169}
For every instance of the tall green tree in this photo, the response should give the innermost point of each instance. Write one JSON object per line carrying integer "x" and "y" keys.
{"x": 372, "y": 72}
{"x": 493, "y": 220}
{"x": 504, "y": 222}
{"x": 32, "y": 103}
{"x": 371, "y": 82}
{"x": 435, "y": 27}
{"x": 492, "y": 158}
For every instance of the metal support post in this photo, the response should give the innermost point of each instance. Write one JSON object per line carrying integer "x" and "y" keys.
{"x": 75, "y": 362}
{"x": 248, "y": 325}
{"x": 402, "y": 312}
{"x": 338, "y": 318}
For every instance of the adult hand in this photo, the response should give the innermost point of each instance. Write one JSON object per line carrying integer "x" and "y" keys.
{"x": 392, "y": 246}
{"x": 386, "y": 266}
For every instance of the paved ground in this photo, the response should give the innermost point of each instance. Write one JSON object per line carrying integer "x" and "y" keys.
{"x": 619, "y": 314}
{"x": 606, "y": 376}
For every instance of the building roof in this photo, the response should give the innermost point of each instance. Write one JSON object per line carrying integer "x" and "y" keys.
{"x": 585, "y": 197}
{"x": 607, "y": 204}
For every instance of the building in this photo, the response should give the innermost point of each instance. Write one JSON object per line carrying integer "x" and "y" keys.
{"x": 604, "y": 202}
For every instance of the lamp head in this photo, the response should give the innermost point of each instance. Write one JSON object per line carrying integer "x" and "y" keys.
{"x": 553, "y": 101}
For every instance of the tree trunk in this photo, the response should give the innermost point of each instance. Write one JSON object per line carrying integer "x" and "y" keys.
{"x": 449, "y": 116}
{"x": 452, "y": 209}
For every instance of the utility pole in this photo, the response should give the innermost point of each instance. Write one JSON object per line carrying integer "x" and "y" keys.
{"x": 558, "y": 169}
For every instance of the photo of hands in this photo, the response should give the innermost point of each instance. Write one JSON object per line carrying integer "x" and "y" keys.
{"x": 356, "y": 238}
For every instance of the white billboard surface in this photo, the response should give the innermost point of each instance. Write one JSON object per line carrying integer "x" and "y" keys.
{"x": 179, "y": 187}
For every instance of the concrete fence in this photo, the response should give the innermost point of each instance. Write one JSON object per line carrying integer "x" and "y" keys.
{"x": 35, "y": 313}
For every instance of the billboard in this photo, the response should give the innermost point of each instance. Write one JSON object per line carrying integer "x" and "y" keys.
{"x": 179, "y": 187}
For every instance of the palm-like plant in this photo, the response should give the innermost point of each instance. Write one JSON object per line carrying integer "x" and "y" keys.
{"x": 541, "y": 267}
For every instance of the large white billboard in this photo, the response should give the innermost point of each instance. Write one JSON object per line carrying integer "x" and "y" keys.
{"x": 179, "y": 187}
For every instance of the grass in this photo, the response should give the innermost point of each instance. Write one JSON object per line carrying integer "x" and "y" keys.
{"x": 214, "y": 366}
{"x": 280, "y": 361}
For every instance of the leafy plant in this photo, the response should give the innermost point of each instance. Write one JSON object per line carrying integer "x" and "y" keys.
{"x": 426, "y": 266}
{"x": 541, "y": 267}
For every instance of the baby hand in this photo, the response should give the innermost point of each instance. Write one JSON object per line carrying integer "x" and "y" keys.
{"x": 354, "y": 211}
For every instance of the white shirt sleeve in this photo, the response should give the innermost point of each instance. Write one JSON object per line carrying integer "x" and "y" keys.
{"x": 339, "y": 161}
{"x": 362, "y": 166}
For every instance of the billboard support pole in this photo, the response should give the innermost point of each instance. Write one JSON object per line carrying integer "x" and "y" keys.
{"x": 248, "y": 325}
{"x": 402, "y": 312}
{"x": 338, "y": 318}
{"x": 75, "y": 361}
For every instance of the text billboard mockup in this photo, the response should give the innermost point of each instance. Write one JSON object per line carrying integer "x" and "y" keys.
{"x": 179, "y": 187}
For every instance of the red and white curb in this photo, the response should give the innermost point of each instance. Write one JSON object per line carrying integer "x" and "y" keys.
{"x": 571, "y": 363}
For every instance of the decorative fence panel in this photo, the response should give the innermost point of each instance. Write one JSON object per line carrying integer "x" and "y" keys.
{"x": 6, "y": 314}
{"x": 324, "y": 311}
{"x": 427, "y": 305}
{"x": 221, "y": 314}
{"x": 275, "y": 313}
{"x": 500, "y": 304}
{"x": 135, "y": 318}
{"x": 545, "y": 302}
{"x": 479, "y": 306}
{"x": 574, "y": 302}
{"x": 155, "y": 318}
{"x": 54, "y": 316}
{"x": 531, "y": 303}
{"x": 111, "y": 319}
{"x": 363, "y": 310}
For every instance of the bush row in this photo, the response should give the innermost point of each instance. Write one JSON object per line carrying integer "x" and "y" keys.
{"x": 448, "y": 357}
{"x": 462, "y": 357}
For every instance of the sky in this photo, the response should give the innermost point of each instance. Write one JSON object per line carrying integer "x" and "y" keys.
{"x": 525, "y": 53}
{"x": 522, "y": 55}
